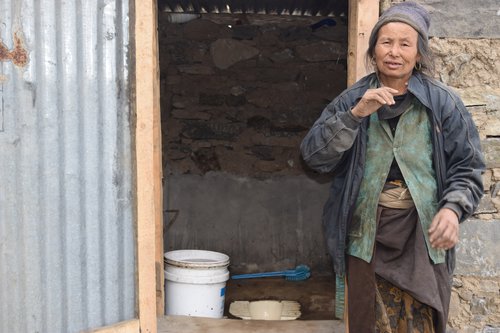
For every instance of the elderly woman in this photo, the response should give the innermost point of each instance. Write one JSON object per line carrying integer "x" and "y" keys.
{"x": 406, "y": 163}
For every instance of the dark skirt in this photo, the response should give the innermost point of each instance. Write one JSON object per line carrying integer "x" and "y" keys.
{"x": 400, "y": 290}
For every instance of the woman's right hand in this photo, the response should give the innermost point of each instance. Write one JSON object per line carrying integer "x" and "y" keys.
{"x": 372, "y": 100}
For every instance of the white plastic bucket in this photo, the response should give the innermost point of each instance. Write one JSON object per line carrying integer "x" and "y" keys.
{"x": 195, "y": 283}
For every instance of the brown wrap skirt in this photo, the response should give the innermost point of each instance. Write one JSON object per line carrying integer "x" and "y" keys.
{"x": 400, "y": 290}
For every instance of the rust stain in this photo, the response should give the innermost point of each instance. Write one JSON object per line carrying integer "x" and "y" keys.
{"x": 18, "y": 55}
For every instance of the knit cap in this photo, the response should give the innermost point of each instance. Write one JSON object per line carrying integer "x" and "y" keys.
{"x": 407, "y": 12}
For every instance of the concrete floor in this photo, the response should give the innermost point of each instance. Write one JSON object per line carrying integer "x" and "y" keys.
{"x": 316, "y": 296}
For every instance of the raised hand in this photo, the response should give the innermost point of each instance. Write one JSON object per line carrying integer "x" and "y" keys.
{"x": 372, "y": 100}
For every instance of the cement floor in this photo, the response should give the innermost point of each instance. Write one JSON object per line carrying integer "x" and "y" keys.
{"x": 316, "y": 295}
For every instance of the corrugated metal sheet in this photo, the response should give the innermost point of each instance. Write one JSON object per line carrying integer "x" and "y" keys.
{"x": 276, "y": 7}
{"x": 66, "y": 219}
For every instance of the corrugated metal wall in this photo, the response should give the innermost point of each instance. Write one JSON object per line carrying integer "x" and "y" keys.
{"x": 66, "y": 218}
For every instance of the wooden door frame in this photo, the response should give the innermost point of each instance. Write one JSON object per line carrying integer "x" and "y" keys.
{"x": 148, "y": 150}
{"x": 363, "y": 14}
{"x": 145, "y": 104}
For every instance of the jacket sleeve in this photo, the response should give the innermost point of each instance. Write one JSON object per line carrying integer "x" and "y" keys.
{"x": 464, "y": 160}
{"x": 330, "y": 137}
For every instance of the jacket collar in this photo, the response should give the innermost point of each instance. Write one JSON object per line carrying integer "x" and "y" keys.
{"x": 417, "y": 85}
{"x": 419, "y": 88}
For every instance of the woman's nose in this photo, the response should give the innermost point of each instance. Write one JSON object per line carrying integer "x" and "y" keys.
{"x": 394, "y": 51}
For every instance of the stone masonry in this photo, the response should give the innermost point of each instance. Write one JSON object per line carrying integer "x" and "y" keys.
{"x": 472, "y": 67}
{"x": 239, "y": 97}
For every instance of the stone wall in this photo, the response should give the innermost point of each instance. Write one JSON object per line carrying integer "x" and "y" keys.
{"x": 239, "y": 93}
{"x": 472, "y": 67}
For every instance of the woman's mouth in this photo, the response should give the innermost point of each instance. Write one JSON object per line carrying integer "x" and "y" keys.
{"x": 393, "y": 65}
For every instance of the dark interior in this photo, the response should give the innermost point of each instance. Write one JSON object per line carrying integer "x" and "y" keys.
{"x": 239, "y": 91}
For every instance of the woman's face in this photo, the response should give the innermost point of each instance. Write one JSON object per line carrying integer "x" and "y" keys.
{"x": 396, "y": 51}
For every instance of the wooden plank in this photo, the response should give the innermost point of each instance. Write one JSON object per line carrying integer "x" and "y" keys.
{"x": 158, "y": 192}
{"x": 148, "y": 173}
{"x": 130, "y": 326}
{"x": 363, "y": 14}
{"x": 181, "y": 324}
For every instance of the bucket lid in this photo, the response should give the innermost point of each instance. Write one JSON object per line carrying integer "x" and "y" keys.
{"x": 196, "y": 259}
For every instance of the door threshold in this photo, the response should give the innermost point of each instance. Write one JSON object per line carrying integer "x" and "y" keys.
{"x": 186, "y": 324}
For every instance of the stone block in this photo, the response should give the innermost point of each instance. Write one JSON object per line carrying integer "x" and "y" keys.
{"x": 479, "y": 306}
{"x": 265, "y": 153}
{"x": 454, "y": 304}
{"x": 489, "y": 287}
{"x": 322, "y": 51}
{"x": 478, "y": 249}
{"x": 188, "y": 114}
{"x": 262, "y": 139}
{"x": 212, "y": 99}
{"x": 491, "y": 151}
{"x": 294, "y": 33}
{"x": 268, "y": 166}
{"x": 206, "y": 160}
{"x": 337, "y": 33}
{"x": 245, "y": 32}
{"x": 487, "y": 179}
{"x": 239, "y": 100}
{"x": 201, "y": 30}
{"x": 227, "y": 52}
{"x": 282, "y": 56}
{"x": 277, "y": 74}
{"x": 273, "y": 96}
{"x": 196, "y": 69}
{"x": 486, "y": 206}
{"x": 327, "y": 80}
{"x": 210, "y": 130}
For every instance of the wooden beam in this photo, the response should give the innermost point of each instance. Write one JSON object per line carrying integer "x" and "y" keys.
{"x": 363, "y": 14}
{"x": 130, "y": 326}
{"x": 148, "y": 157}
{"x": 158, "y": 174}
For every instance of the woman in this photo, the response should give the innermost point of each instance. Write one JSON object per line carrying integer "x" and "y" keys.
{"x": 406, "y": 163}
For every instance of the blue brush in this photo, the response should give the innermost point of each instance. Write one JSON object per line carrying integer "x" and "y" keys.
{"x": 300, "y": 273}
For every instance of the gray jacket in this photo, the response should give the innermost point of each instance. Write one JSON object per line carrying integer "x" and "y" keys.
{"x": 336, "y": 144}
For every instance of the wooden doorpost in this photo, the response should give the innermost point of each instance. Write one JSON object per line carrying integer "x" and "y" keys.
{"x": 363, "y": 14}
{"x": 148, "y": 162}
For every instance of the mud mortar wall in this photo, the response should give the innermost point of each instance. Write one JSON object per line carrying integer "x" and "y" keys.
{"x": 472, "y": 67}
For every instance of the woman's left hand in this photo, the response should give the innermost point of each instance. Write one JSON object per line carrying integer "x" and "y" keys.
{"x": 443, "y": 233}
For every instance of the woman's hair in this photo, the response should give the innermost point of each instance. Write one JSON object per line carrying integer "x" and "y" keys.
{"x": 426, "y": 62}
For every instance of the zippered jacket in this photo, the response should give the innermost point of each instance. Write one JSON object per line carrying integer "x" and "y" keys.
{"x": 336, "y": 144}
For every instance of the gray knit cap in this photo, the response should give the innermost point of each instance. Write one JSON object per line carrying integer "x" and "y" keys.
{"x": 408, "y": 12}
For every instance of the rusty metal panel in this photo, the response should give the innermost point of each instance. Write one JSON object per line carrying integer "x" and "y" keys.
{"x": 66, "y": 206}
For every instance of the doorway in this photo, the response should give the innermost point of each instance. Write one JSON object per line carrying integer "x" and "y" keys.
{"x": 238, "y": 93}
